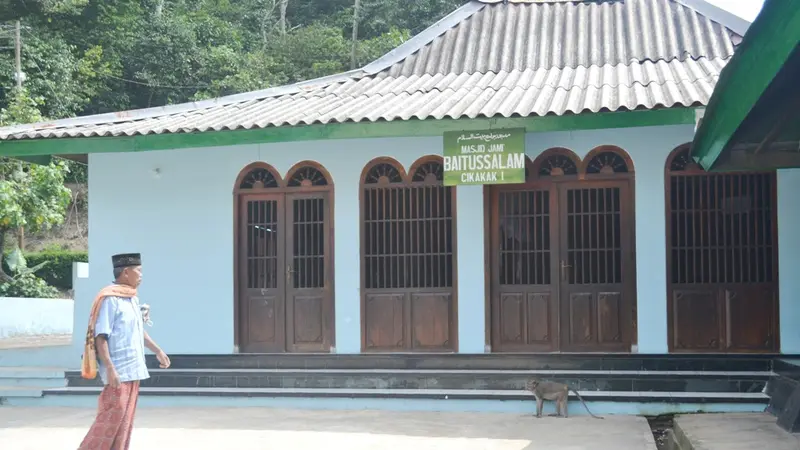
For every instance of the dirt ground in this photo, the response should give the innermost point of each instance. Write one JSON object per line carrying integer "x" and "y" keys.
{"x": 253, "y": 428}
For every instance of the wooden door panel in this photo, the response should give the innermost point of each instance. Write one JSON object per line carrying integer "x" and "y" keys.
{"x": 750, "y": 312}
{"x": 264, "y": 332}
{"x": 580, "y": 313}
{"x": 384, "y": 321}
{"x": 697, "y": 320}
{"x": 306, "y": 314}
{"x": 539, "y": 317}
{"x": 309, "y": 299}
{"x": 431, "y": 319}
{"x": 262, "y": 256}
{"x": 596, "y": 270}
{"x": 511, "y": 313}
{"x": 610, "y": 321}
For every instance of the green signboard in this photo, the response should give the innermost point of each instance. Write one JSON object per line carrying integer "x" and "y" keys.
{"x": 484, "y": 157}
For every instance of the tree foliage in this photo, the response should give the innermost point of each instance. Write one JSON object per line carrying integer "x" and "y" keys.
{"x": 32, "y": 196}
{"x": 22, "y": 108}
{"x": 25, "y": 283}
{"x": 94, "y": 56}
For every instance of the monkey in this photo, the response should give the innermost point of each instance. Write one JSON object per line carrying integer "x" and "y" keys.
{"x": 558, "y": 392}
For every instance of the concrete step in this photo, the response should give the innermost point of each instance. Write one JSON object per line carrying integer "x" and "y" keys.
{"x": 516, "y": 402}
{"x": 457, "y": 361}
{"x": 20, "y": 392}
{"x": 45, "y": 377}
{"x": 434, "y": 394}
{"x": 585, "y": 380}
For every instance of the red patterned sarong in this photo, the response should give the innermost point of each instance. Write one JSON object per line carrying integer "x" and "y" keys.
{"x": 113, "y": 425}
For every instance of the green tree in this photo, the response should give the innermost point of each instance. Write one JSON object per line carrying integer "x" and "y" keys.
{"x": 16, "y": 9}
{"x": 31, "y": 196}
{"x": 22, "y": 108}
{"x": 96, "y": 56}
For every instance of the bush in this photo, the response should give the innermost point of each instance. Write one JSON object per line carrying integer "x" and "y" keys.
{"x": 58, "y": 270}
{"x": 28, "y": 286}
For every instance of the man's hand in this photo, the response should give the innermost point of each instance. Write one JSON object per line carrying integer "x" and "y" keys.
{"x": 113, "y": 378}
{"x": 163, "y": 359}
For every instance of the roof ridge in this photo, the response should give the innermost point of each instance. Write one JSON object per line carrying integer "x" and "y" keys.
{"x": 713, "y": 12}
{"x": 702, "y": 7}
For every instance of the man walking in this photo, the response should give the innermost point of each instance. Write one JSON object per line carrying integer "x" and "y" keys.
{"x": 116, "y": 337}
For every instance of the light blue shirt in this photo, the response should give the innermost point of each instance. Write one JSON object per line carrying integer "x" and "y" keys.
{"x": 121, "y": 320}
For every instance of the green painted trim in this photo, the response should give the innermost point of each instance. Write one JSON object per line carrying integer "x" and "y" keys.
{"x": 56, "y": 146}
{"x": 765, "y": 48}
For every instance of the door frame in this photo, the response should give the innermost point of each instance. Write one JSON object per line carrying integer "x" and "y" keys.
{"x": 281, "y": 188}
{"x": 532, "y": 182}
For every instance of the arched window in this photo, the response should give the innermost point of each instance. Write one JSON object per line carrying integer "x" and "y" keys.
{"x": 609, "y": 161}
{"x": 306, "y": 175}
{"x": 556, "y": 163}
{"x": 259, "y": 176}
{"x": 408, "y": 257}
{"x": 722, "y": 258}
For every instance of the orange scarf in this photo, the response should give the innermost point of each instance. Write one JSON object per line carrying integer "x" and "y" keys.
{"x": 89, "y": 363}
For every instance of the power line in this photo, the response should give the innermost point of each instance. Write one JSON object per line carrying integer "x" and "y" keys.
{"x": 140, "y": 83}
{"x": 165, "y": 86}
{"x": 17, "y": 56}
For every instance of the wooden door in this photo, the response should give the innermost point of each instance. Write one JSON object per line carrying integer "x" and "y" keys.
{"x": 309, "y": 300}
{"x": 562, "y": 268}
{"x": 262, "y": 284}
{"x": 722, "y": 259}
{"x": 286, "y": 302}
{"x": 595, "y": 266}
{"x": 524, "y": 306}
{"x": 409, "y": 264}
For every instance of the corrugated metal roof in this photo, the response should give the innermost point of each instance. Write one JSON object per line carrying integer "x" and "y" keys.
{"x": 544, "y": 35}
{"x": 528, "y": 57}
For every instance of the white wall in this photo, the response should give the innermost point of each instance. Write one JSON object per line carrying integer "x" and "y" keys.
{"x": 181, "y": 222}
{"x": 789, "y": 259}
{"x": 35, "y": 316}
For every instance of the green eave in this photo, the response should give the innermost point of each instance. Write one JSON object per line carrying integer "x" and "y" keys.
{"x": 755, "y": 104}
{"x": 569, "y": 122}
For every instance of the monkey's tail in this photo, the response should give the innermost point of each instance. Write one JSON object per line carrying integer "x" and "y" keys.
{"x": 585, "y": 405}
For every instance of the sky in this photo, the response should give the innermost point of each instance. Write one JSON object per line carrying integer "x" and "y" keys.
{"x": 746, "y": 9}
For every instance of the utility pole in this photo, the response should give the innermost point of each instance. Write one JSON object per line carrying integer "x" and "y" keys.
{"x": 356, "y": 11}
{"x": 282, "y": 21}
{"x": 18, "y": 76}
{"x": 18, "y": 56}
